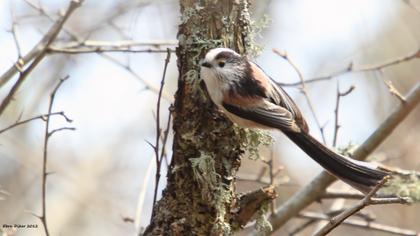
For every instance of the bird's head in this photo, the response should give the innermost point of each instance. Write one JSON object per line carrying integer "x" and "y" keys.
{"x": 223, "y": 64}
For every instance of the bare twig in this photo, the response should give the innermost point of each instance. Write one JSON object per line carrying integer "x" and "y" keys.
{"x": 90, "y": 46}
{"x": 159, "y": 157}
{"x": 316, "y": 187}
{"x": 48, "y": 133}
{"x": 303, "y": 89}
{"x": 37, "y": 53}
{"x": 148, "y": 84}
{"x": 366, "y": 201}
{"x": 82, "y": 42}
{"x": 366, "y": 217}
{"x": 336, "y": 111}
{"x": 361, "y": 224}
{"x": 43, "y": 12}
{"x": 16, "y": 39}
{"x": 164, "y": 138}
{"x": 341, "y": 194}
{"x": 350, "y": 68}
{"x": 105, "y": 49}
{"x": 40, "y": 117}
{"x": 121, "y": 44}
{"x": 394, "y": 91}
{"x": 61, "y": 129}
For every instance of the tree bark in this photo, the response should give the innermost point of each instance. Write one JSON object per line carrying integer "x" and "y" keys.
{"x": 199, "y": 198}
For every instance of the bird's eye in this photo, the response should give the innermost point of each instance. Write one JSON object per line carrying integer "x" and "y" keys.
{"x": 221, "y": 64}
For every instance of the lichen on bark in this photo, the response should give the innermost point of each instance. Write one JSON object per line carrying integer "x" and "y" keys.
{"x": 199, "y": 198}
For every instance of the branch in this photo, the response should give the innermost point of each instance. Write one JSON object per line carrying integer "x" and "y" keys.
{"x": 164, "y": 139}
{"x": 251, "y": 202}
{"x": 148, "y": 84}
{"x": 104, "y": 49}
{"x": 284, "y": 55}
{"x": 340, "y": 194}
{"x": 48, "y": 133}
{"x": 90, "y": 46}
{"x": 337, "y": 106}
{"x": 394, "y": 91}
{"x": 41, "y": 117}
{"x": 366, "y": 201}
{"x": 364, "y": 216}
{"x": 79, "y": 41}
{"x": 122, "y": 43}
{"x": 350, "y": 68}
{"x": 16, "y": 39}
{"x": 158, "y": 157}
{"x": 361, "y": 224}
{"x": 37, "y": 54}
{"x": 317, "y": 186}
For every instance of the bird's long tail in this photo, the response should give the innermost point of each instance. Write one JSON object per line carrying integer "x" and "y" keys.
{"x": 361, "y": 175}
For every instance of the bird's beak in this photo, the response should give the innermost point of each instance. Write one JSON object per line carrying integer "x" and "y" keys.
{"x": 205, "y": 64}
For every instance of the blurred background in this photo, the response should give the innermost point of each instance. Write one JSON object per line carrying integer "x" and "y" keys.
{"x": 103, "y": 172}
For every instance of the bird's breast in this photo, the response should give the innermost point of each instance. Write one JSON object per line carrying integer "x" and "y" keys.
{"x": 214, "y": 86}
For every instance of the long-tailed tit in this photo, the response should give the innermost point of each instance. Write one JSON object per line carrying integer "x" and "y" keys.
{"x": 248, "y": 96}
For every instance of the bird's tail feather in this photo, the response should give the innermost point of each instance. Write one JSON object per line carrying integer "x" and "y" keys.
{"x": 361, "y": 175}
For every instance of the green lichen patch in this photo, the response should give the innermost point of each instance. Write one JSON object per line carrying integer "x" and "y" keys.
{"x": 256, "y": 28}
{"x": 262, "y": 224}
{"x": 347, "y": 150}
{"x": 252, "y": 141}
{"x": 213, "y": 190}
{"x": 407, "y": 186}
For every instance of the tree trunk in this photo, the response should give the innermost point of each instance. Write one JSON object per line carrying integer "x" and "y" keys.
{"x": 199, "y": 198}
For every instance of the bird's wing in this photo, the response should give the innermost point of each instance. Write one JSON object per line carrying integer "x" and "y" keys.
{"x": 279, "y": 97}
{"x": 266, "y": 114}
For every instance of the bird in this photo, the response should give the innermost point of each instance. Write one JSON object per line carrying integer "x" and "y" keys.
{"x": 251, "y": 99}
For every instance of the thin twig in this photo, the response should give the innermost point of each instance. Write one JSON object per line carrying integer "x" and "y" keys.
{"x": 253, "y": 180}
{"x": 312, "y": 191}
{"x": 78, "y": 41}
{"x": 90, "y": 46}
{"x": 164, "y": 138}
{"x": 364, "y": 216}
{"x": 61, "y": 129}
{"x": 360, "y": 224}
{"x": 48, "y": 133}
{"x": 303, "y": 89}
{"x": 120, "y": 44}
{"x": 16, "y": 39}
{"x": 148, "y": 84}
{"x": 366, "y": 201}
{"x": 39, "y": 51}
{"x": 336, "y": 111}
{"x": 105, "y": 49}
{"x": 331, "y": 194}
{"x": 350, "y": 68}
{"x": 43, "y": 12}
{"x": 41, "y": 117}
{"x": 394, "y": 91}
{"x": 158, "y": 158}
